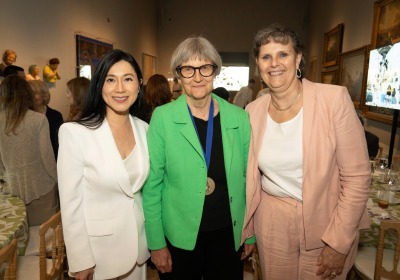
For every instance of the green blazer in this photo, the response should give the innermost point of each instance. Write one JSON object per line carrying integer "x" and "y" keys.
{"x": 174, "y": 193}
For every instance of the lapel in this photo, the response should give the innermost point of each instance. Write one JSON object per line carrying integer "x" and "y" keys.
{"x": 309, "y": 95}
{"x": 140, "y": 132}
{"x": 229, "y": 125}
{"x": 181, "y": 117}
{"x": 113, "y": 159}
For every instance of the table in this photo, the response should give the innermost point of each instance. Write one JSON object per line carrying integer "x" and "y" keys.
{"x": 14, "y": 224}
{"x": 369, "y": 237}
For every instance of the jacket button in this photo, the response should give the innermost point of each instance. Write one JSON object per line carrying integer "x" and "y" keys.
{"x": 234, "y": 223}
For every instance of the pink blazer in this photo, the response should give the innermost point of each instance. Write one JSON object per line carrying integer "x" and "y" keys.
{"x": 336, "y": 171}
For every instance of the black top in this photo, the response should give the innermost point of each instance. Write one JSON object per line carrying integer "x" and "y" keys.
{"x": 55, "y": 121}
{"x": 216, "y": 211}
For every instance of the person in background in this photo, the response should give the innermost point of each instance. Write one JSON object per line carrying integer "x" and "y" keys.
{"x": 26, "y": 158}
{"x": 263, "y": 91}
{"x": 176, "y": 89}
{"x": 77, "y": 88}
{"x": 157, "y": 93}
{"x": 33, "y": 73}
{"x": 194, "y": 198}
{"x": 244, "y": 95}
{"x": 14, "y": 70}
{"x": 50, "y": 72}
{"x": 222, "y": 92}
{"x": 41, "y": 98}
{"x": 372, "y": 141}
{"x": 9, "y": 57}
{"x": 308, "y": 173}
{"x": 102, "y": 164}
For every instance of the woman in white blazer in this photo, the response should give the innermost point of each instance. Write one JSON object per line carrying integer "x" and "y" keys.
{"x": 102, "y": 165}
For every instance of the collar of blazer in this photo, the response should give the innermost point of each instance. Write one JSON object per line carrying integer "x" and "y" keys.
{"x": 115, "y": 162}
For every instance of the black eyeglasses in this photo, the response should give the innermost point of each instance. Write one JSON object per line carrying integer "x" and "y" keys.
{"x": 205, "y": 70}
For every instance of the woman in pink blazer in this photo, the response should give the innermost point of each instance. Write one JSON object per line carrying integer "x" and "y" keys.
{"x": 308, "y": 172}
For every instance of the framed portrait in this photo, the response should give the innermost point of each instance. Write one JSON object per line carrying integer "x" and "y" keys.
{"x": 313, "y": 69}
{"x": 149, "y": 66}
{"x": 386, "y": 25}
{"x": 333, "y": 45}
{"x": 352, "y": 73}
{"x": 329, "y": 76}
{"x": 89, "y": 51}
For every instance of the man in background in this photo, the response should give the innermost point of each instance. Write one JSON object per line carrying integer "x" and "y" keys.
{"x": 245, "y": 95}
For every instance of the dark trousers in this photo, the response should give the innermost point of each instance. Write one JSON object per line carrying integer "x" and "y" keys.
{"x": 213, "y": 258}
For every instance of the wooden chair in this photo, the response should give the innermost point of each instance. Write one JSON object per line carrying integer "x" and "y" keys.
{"x": 40, "y": 267}
{"x": 374, "y": 263}
{"x": 256, "y": 264}
{"x": 395, "y": 163}
{"x": 8, "y": 257}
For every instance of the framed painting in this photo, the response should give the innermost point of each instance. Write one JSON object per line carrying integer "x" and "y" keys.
{"x": 333, "y": 45}
{"x": 89, "y": 51}
{"x": 149, "y": 66}
{"x": 329, "y": 76}
{"x": 386, "y": 25}
{"x": 352, "y": 73}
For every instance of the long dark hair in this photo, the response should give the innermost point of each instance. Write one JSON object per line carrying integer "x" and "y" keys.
{"x": 94, "y": 108}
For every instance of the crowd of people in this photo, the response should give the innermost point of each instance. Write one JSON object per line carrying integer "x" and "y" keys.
{"x": 182, "y": 176}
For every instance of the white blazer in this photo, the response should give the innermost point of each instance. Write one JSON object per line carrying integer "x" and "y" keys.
{"x": 102, "y": 213}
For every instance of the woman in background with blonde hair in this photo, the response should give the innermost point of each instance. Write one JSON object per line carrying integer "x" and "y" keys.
{"x": 41, "y": 98}
{"x": 76, "y": 90}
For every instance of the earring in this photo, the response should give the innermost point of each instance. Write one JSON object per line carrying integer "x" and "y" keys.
{"x": 298, "y": 73}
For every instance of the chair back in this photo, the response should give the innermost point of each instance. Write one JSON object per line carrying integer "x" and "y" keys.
{"x": 57, "y": 248}
{"x": 8, "y": 255}
{"x": 380, "y": 271}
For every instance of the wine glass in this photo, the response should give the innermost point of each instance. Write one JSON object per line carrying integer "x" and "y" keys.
{"x": 383, "y": 162}
{"x": 383, "y": 199}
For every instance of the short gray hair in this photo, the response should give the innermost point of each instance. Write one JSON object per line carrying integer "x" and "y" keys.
{"x": 198, "y": 47}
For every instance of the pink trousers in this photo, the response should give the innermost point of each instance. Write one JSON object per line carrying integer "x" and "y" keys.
{"x": 281, "y": 244}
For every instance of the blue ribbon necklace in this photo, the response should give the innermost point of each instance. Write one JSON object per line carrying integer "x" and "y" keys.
{"x": 210, "y": 187}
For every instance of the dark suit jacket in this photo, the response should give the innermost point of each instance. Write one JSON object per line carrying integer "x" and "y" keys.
{"x": 372, "y": 144}
{"x": 55, "y": 121}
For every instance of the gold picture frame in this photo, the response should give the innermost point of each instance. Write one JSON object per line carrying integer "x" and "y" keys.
{"x": 329, "y": 76}
{"x": 333, "y": 45}
{"x": 352, "y": 73}
{"x": 386, "y": 25}
{"x": 149, "y": 66}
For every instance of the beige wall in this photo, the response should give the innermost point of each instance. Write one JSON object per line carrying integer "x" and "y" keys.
{"x": 357, "y": 17}
{"x": 45, "y": 29}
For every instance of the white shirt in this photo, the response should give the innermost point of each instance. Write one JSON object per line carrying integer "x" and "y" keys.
{"x": 281, "y": 158}
{"x": 243, "y": 97}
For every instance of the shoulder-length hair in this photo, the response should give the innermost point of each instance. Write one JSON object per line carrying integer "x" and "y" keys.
{"x": 198, "y": 47}
{"x": 78, "y": 87}
{"x": 40, "y": 87}
{"x": 16, "y": 98}
{"x": 94, "y": 108}
{"x": 157, "y": 92}
{"x": 282, "y": 35}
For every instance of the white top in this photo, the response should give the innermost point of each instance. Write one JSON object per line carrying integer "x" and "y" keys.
{"x": 243, "y": 97}
{"x": 281, "y": 158}
{"x": 29, "y": 77}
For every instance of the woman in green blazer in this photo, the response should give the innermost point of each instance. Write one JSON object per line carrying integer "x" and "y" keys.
{"x": 194, "y": 199}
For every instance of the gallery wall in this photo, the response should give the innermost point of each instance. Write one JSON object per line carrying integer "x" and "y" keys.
{"x": 38, "y": 31}
{"x": 357, "y": 17}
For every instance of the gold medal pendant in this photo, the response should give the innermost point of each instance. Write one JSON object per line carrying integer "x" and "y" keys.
{"x": 210, "y": 186}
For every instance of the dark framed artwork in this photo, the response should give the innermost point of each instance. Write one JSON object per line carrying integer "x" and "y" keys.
{"x": 386, "y": 25}
{"x": 149, "y": 66}
{"x": 89, "y": 51}
{"x": 329, "y": 76}
{"x": 333, "y": 45}
{"x": 352, "y": 73}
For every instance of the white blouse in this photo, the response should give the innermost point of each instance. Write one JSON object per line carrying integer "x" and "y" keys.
{"x": 281, "y": 158}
